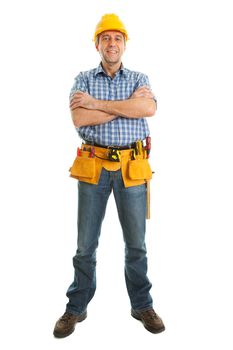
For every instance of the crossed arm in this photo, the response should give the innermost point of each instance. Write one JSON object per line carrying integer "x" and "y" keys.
{"x": 86, "y": 110}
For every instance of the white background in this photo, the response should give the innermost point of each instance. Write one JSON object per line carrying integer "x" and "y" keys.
{"x": 185, "y": 48}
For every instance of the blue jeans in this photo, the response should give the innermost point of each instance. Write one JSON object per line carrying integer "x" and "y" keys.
{"x": 131, "y": 206}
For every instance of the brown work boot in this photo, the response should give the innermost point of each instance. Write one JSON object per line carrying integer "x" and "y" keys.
{"x": 151, "y": 321}
{"x": 66, "y": 324}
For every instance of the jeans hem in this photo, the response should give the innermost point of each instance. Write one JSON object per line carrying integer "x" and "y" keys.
{"x": 143, "y": 308}
{"x": 76, "y": 313}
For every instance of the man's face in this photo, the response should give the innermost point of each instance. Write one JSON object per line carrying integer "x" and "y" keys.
{"x": 111, "y": 46}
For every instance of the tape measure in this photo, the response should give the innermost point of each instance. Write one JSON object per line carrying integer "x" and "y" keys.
{"x": 114, "y": 155}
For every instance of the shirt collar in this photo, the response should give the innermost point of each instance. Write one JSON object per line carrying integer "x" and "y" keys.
{"x": 100, "y": 70}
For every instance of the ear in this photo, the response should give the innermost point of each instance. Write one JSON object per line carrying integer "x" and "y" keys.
{"x": 124, "y": 44}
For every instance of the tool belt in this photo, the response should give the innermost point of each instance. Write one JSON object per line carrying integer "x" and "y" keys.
{"x": 90, "y": 160}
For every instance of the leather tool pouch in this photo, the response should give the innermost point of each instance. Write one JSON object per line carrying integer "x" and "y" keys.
{"x": 83, "y": 166}
{"x": 139, "y": 169}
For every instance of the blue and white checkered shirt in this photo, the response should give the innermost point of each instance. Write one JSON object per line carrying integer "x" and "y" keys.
{"x": 120, "y": 131}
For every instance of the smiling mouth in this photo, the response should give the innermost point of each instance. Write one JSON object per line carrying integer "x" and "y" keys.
{"x": 112, "y": 51}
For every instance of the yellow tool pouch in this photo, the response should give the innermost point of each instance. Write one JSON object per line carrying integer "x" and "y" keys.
{"x": 139, "y": 169}
{"x": 86, "y": 169}
{"x": 134, "y": 172}
{"x": 83, "y": 167}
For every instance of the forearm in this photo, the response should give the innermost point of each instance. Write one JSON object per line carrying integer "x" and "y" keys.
{"x": 130, "y": 108}
{"x": 86, "y": 117}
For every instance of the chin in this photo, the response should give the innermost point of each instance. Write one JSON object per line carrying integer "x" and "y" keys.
{"x": 113, "y": 61}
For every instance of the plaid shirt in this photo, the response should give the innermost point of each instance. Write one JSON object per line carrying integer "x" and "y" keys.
{"x": 120, "y": 131}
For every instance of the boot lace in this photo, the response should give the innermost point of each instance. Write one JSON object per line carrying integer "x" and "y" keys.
{"x": 150, "y": 314}
{"x": 66, "y": 317}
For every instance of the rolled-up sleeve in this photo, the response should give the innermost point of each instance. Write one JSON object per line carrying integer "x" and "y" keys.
{"x": 79, "y": 85}
{"x": 144, "y": 81}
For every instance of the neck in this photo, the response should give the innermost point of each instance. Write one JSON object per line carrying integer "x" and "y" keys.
{"x": 111, "y": 68}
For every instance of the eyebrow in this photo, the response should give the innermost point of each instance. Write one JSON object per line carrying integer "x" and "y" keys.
{"x": 108, "y": 36}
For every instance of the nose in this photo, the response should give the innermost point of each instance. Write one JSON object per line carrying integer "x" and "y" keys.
{"x": 112, "y": 42}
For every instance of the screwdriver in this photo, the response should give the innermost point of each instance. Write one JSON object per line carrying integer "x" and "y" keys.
{"x": 79, "y": 152}
{"x": 148, "y": 146}
{"x": 92, "y": 153}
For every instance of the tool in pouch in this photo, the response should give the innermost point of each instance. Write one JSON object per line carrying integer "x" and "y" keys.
{"x": 114, "y": 155}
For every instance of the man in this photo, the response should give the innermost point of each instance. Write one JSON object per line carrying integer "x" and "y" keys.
{"x": 109, "y": 106}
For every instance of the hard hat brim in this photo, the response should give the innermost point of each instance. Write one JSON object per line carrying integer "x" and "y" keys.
{"x": 124, "y": 32}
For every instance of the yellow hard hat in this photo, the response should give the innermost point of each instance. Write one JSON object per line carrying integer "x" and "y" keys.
{"x": 110, "y": 22}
